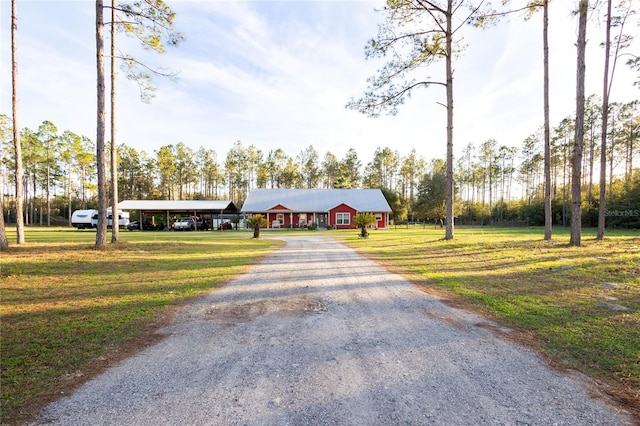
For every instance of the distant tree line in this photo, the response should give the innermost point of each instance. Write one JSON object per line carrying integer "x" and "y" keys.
{"x": 488, "y": 173}
{"x": 495, "y": 184}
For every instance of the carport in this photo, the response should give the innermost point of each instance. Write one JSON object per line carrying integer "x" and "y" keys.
{"x": 167, "y": 211}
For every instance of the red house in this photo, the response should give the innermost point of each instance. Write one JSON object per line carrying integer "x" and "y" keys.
{"x": 297, "y": 208}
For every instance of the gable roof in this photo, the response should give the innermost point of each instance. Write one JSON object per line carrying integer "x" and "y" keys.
{"x": 315, "y": 200}
{"x": 279, "y": 208}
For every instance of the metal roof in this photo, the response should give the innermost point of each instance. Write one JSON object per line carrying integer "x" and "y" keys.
{"x": 315, "y": 200}
{"x": 178, "y": 205}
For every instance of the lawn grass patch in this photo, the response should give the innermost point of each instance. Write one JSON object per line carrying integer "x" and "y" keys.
{"x": 554, "y": 296}
{"x": 64, "y": 304}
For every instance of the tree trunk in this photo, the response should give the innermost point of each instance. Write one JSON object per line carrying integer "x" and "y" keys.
{"x": 48, "y": 189}
{"x": 83, "y": 179}
{"x": 33, "y": 197}
{"x": 115, "y": 221}
{"x": 101, "y": 233}
{"x": 592, "y": 149}
{"x": 4, "y": 242}
{"x": 603, "y": 136}
{"x": 548, "y": 214}
{"x": 565, "y": 178}
{"x": 576, "y": 193}
{"x": 612, "y": 149}
{"x": 68, "y": 196}
{"x": 449, "y": 69}
{"x": 17, "y": 144}
{"x": 629, "y": 173}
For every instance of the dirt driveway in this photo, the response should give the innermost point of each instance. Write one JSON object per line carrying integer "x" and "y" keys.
{"x": 317, "y": 334}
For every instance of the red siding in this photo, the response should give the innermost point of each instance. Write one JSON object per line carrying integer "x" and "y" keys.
{"x": 342, "y": 208}
{"x": 290, "y": 219}
{"x": 278, "y": 207}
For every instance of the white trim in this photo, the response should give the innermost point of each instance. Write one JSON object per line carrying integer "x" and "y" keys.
{"x": 341, "y": 214}
{"x": 283, "y": 209}
{"x": 344, "y": 203}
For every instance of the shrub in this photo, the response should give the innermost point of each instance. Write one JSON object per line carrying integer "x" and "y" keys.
{"x": 362, "y": 220}
{"x": 256, "y": 222}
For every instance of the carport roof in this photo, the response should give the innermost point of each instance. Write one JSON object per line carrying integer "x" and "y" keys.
{"x": 315, "y": 200}
{"x": 179, "y": 205}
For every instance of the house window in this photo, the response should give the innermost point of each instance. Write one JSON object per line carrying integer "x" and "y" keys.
{"x": 280, "y": 217}
{"x": 343, "y": 219}
{"x": 378, "y": 217}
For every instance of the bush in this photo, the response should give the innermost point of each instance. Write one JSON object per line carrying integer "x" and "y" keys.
{"x": 312, "y": 226}
{"x": 362, "y": 220}
{"x": 256, "y": 222}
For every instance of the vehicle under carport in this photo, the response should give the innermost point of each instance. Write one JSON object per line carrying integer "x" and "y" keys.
{"x": 163, "y": 213}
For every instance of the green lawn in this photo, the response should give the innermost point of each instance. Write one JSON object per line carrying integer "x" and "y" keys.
{"x": 551, "y": 294}
{"x": 65, "y": 305}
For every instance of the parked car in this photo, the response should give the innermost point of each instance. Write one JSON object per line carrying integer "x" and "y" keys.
{"x": 190, "y": 223}
{"x": 146, "y": 226}
{"x": 225, "y": 226}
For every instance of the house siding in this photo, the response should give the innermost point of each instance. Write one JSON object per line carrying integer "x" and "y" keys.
{"x": 342, "y": 208}
{"x": 297, "y": 220}
{"x": 290, "y": 219}
{"x": 298, "y": 208}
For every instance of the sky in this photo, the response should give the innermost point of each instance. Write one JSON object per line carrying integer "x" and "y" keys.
{"x": 278, "y": 74}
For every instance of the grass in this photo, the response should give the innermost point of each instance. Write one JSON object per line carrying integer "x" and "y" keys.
{"x": 549, "y": 293}
{"x": 65, "y": 305}
{"x": 68, "y": 310}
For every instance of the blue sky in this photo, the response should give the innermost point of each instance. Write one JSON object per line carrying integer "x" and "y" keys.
{"x": 277, "y": 74}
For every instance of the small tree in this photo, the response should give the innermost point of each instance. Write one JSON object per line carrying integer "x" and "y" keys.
{"x": 362, "y": 220}
{"x": 256, "y": 222}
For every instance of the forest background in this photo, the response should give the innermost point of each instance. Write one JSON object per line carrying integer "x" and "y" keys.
{"x": 496, "y": 182}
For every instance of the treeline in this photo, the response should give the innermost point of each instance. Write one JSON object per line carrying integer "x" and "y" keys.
{"x": 502, "y": 183}
{"x": 494, "y": 184}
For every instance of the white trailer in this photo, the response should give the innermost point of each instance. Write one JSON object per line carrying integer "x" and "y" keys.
{"x": 83, "y": 219}
{"x": 123, "y": 219}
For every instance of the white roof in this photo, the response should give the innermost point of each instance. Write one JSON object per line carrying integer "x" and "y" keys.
{"x": 176, "y": 205}
{"x": 315, "y": 200}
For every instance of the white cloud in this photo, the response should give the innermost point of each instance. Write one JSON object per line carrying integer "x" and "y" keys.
{"x": 278, "y": 74}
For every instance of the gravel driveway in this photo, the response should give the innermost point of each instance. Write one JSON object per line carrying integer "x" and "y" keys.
{"x": 316, "y": 334}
